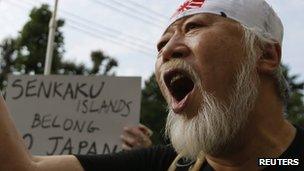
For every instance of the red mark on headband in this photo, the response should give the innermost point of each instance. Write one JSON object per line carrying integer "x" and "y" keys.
{"x": 189, "y": 4}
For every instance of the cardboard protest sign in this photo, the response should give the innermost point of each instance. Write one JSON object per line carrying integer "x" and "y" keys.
{"x": 73, "y": 114}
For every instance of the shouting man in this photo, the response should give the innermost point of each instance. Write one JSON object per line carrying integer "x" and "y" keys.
{"x": 219, "y": 69}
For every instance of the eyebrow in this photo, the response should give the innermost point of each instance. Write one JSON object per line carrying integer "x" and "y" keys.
{"x": 170, "y": 29}
{"x": 184, "y": 20}
{"x": 204, "y": 18}
{"x": 175, "y": 24}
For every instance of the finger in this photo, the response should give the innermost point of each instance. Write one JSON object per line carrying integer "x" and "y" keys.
{"x": 136, "y": 138}
{"x": 145, "y": 129}
{"x": 130, "y": 141}
{"x": 126, "y": 147}
{"x": 134, "y": 132}
{"x": 139, "y": 141}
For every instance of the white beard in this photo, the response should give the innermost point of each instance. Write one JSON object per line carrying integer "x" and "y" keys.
{"x": 215, "y": 130}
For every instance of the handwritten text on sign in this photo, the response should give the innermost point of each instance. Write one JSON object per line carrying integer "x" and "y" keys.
{"x": 73, "y": 114}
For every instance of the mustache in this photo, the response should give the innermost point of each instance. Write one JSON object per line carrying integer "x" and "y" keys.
{"x": 180, "y": 65}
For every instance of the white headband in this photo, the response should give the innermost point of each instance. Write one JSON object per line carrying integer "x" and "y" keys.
{"x": 254, "y": 14}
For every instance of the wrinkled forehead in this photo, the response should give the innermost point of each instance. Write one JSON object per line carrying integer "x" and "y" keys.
{"x": 203, "y": 17}
{"x": 176, "y": 24}
{"x": 257, "y": 15}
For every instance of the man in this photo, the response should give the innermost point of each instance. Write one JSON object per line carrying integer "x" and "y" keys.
{"x": 219, "y": 70}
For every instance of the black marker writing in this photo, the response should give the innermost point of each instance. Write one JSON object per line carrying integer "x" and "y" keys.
{"x": 121, "y": 107}
{"x": 61, "y": 145}
{"x": 54, "y": 89}
{"x": 28, "y": 138}
{"x": 49, "y": 121}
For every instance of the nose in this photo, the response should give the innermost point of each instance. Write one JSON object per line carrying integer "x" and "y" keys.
{"x": 175, "y": 48}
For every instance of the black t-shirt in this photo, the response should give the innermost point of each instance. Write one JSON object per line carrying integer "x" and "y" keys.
{"x": 156, "y": 158}
{"x": 159, "y": 158}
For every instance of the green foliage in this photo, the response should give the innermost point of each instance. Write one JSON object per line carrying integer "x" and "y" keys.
{"x": 100, "y": 60}
{"x": 154, "y": 110}
{"x": 7, "y": 55}
{"x": 26, "y": 53}
{"x": 32, "y": 43}
{"x": 295, "y": 106}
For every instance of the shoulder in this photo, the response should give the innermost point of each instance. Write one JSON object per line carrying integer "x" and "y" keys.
{"x": 299, "y": 138}
{"x": 300, "y": 129}
{"x": 296, "y": 148}
{"x": 157, "y": 157}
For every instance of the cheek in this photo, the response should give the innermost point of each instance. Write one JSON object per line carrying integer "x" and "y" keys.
{"x": 216, "y": 62}
{"x": 157, "y": 63}
{"x": 157, "y": 69}
{"x": 158, "y": 75}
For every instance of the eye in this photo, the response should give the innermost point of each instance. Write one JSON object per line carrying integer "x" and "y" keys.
{"x": 192, "y": 26}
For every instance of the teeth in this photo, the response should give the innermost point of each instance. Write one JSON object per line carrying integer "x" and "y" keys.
{"x": 177, "y": 77}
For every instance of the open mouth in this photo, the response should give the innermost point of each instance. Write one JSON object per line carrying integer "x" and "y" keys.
{"x": 179, "y": 84}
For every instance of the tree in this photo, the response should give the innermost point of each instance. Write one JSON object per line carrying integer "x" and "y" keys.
{"x": 32, "y": 43}
{"x": 102, "y": 65}
{"x": 26, "y": 53}
{"x": 154, "y": 110}
{"x": 7, "y": 55}
{"x": 101, "y": 60}
{"x": 295, "y": 106}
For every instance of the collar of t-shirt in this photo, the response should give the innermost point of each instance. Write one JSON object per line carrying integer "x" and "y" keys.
{"x": 294, "y": 151}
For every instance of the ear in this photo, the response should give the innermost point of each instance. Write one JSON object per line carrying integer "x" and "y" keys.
{"x": 270, "y": 59}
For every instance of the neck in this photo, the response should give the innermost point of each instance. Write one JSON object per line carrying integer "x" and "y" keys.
{"x": 267, "y": 135}
{"x": 265, "y": 144}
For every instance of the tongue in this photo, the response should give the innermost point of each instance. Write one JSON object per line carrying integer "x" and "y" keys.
{"x": 181, "y": 87}
{"x": 178, "y": 106}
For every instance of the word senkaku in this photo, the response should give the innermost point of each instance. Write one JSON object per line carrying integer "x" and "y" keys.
{"x": 56, "y": 89}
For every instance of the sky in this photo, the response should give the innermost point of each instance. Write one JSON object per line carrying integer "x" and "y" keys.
{"x": 129, "y": 29}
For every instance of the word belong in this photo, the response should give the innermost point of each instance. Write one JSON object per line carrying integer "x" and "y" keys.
{"x": 49, "y": 121}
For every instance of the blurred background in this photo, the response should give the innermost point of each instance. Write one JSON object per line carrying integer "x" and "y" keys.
{"x": 118, "y": 37}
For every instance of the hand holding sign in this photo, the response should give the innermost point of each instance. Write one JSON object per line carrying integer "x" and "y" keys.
{"x": 136, "y": 137}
